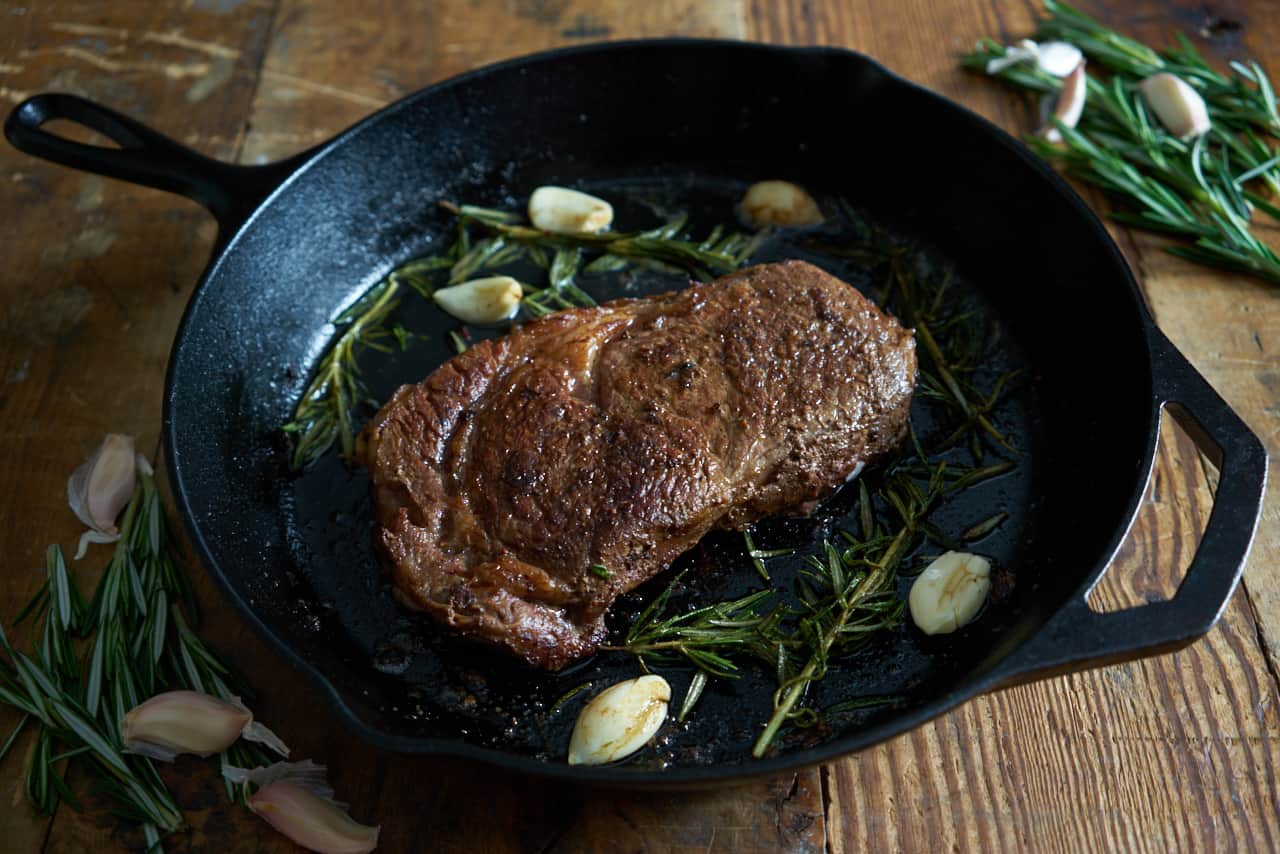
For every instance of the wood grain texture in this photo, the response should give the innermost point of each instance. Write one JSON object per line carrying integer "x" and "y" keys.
{"x": 1227, "y": 325}
{"x": 96, "y": 272}
{"x": 1167, "y": 754}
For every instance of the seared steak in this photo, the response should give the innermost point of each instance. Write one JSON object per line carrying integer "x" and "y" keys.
{"x": 531, "y": 480}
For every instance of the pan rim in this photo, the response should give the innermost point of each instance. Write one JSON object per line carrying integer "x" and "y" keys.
{"x": 622, "y": 776}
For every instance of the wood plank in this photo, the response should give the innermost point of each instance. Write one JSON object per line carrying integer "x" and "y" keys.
{"x": 315, "y": 82}
{"x": 87, "y": 304}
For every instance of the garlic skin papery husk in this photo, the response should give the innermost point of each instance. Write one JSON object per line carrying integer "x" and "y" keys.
{"x": 101, "y": 487}
{"x": 1070, "y": 104}
{"x": 295, "y": 799}
{"x": 778, "y": 203}
{"x": 482, "y": 301}
{"x": 619, "y": 720}
{"x": 1177, "y": 105}
{"x": 1056, "y": 58}
{"x": 178, "y": 722}
{"x": 560, "y": 210}
{"x": 950, "y": 592}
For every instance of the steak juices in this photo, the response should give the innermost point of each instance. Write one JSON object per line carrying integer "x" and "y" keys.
{"x": 531, "y": 480}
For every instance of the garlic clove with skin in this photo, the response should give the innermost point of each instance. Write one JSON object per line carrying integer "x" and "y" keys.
{"x": 619, "y": 720}
{"x": 482, "y": 301}
{"x": 1070, "y": 104}
{"x": 1177, "y": 105}
{"x": 295, "y": 799}
{"x": 101, "y": 487}
{"x": 950, "y": 592}
{"x": 311, "y": 821}
{"x": 178, "y": 722}
{"x": 778, "y": 203}
{"x": 560, "y": 210}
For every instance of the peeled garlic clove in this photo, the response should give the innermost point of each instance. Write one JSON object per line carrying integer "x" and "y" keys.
{"x": 564, "y": 211}
{"x": 949, "y": 593}
{"x": 619, "y": 720}
{"x": 490, "y": 300}
{"x": 1070, "y": 103}
{"x": 1058, "y": 58}
{"x": 178, "y": 722}
{"x": 778, "y": 203}
{"x": 102, "y": 485}
{"x": 1178, "y": 106}
{"x": 314, "y": 822}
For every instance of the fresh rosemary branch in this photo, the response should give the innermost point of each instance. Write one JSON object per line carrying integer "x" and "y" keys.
{"x": 1204, "y": 190}
{"x": 137, "y": 642}
{"x": 326, "y": 412}
{"x": 486, "y": 239}
{"x": 848, "y": 594}
{"x": 703, "y": 259}
{"x": 706, "y": 637}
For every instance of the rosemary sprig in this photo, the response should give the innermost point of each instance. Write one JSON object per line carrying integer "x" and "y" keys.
{"x": 326, "y": 412}
{"x": 485, "y": 239}
{"x": 848, "y": 594}
{"x": 707, "y": 637}
{"x": 703, "y": 259}
{"x": 93, "y": 661}
{"x": 1197, "y": 190}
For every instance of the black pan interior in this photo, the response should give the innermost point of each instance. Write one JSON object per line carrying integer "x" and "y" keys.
{"x": 658, "y": 127}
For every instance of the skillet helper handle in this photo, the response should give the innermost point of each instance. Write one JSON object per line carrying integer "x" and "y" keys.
{"x": 229, "y": 192}
{"x": 1078, "y": 637}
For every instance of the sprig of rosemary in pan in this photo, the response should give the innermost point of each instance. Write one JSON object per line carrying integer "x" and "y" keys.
{"x": 1204, "y": 191}
{"x": 486, "y": 239}
{"x": 326, "y": 413}
{"x": 93, "y": 661}
{"x": 847, "y": 592}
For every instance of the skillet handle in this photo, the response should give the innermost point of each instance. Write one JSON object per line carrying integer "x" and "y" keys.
{"x": 1077, "y": 637}
{"x": 229, "y": 192}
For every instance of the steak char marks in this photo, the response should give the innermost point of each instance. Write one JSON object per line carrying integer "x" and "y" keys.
{"x": 617, "y": 436}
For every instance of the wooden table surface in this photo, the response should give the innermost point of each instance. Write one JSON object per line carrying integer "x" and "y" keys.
{"x": 1170, "y": 753}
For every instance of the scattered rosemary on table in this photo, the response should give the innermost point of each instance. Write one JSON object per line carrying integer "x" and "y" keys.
{"x": 1203, "y": 190}
{"x": 486, "y": 239}
{"x": 93, "y": 661}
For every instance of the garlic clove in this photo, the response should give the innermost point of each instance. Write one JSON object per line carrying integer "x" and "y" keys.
{"x": 1178, "y": 106}
{"x": 1070, "y": 103}
{"x": 490, "y": 300}
{"x": 564, "y": 211}
{"x": 619, "y": 720}
{"x": 314, "y": 822}
{"x": 102, "y": 485}
{"x": 778, "y": 203}
{"x": 950, "y": 592}
{"x": 1058, "y": 58}
{"x": 178, "y": 722}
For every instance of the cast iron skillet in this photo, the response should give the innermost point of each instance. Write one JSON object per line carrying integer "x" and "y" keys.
{"x": 652, "y": 123}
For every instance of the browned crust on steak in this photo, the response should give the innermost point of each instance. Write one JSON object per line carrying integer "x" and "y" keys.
{"x": 619, "y": 435}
